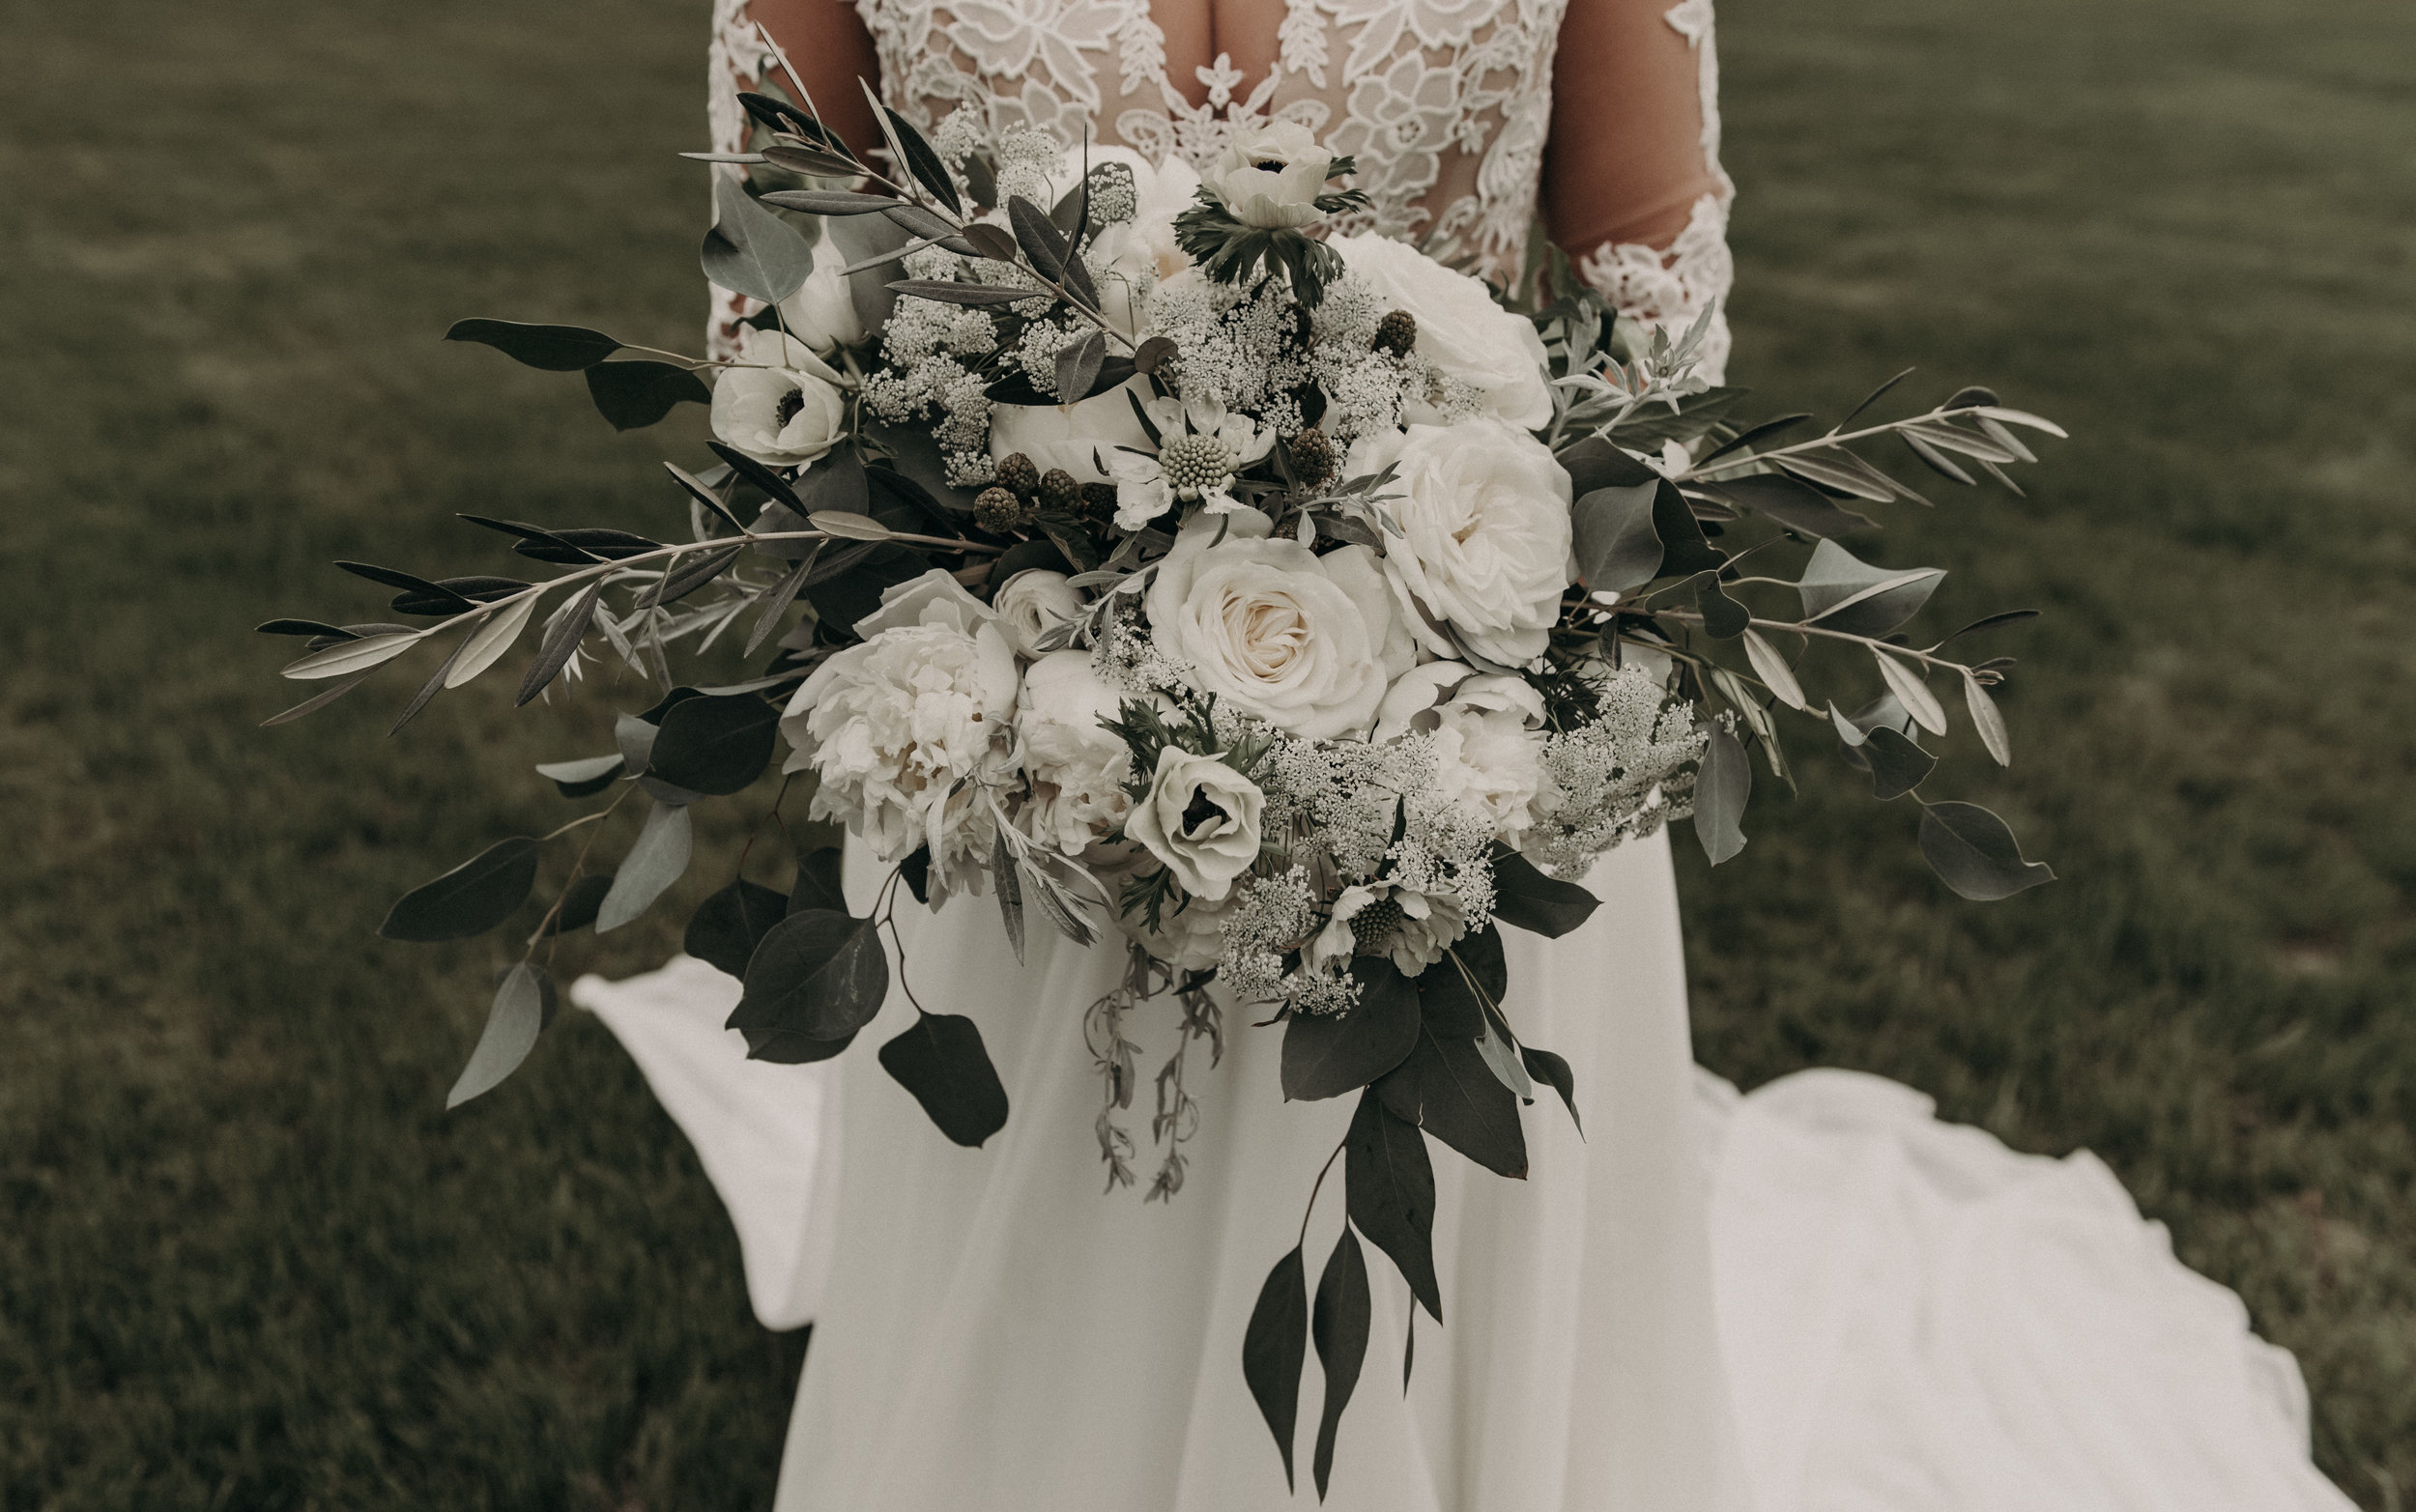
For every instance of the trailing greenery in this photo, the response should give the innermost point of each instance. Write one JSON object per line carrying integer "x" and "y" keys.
{"x": 248, "y": 1261}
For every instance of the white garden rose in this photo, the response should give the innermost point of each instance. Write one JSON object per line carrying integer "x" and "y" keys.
{"x": 893, "y": 724}
{"x": 1076, "y": 436}
{"x": 821, "y": 313}
{"x": 1272, "y": 174}
{"x": 1412, "y": 929}
{"x": 1200, "y": 817}
{"x": 1484, "y": 509}
{"x": 784, "y": 407}
{"x": 1488, "y": 743}
{"x": 1461, "y": 330}
{"x": 1076, "y": 767}
{"x": 1032, "y": 603}
{"x": 1307, "y": 642}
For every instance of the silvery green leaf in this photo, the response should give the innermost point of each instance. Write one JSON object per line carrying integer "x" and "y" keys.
{"x": 657, "y": 859}
{"x": 1503, "y": 1062}
{"x": 1848, "y": 473}
{"x": 1975, "y": 853}
{"x": 313, "y": 705}
{"x": 1077, "y": 364}
{"x": 777, "y": 599}
{"x": 1986, "y": 718}
{"x": 522, "y": 1005}
{"x": 831, "y": 202}
{"x": 750, "y": 250}
{"x": 1003, "y": 873}
{"x": 1955, "y": 438}
{"x": 1616, "y": 546}
{"x": 1847, "y": 593}
{"x": 1912, "y": 691}
{"x": 1935, "y": 460}
{"x": 1995, "y": 412}
{"x": 852, "y": 527}
{"x": 352, "y": 656}
{"x": 488, "y": 642}
{"x": 1721, "y": 789}
{"x": 1773, "y": 671}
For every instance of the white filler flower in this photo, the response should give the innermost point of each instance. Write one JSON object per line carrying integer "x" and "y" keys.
{"x": 782, "y": 409}
{"x": 1200, "y": 817}
{"x": 1484, "y": 508}
{"x": 1460, "y": 330}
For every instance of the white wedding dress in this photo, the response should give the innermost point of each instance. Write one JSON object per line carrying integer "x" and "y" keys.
{"x": 1814, "y": 1298}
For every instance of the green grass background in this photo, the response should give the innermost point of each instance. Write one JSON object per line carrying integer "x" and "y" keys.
{"x": 246, "y": 1262}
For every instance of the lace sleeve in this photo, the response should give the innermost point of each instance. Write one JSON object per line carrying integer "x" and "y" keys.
{"x": 1636, "y": 192}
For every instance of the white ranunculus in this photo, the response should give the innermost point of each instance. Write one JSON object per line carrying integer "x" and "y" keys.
{"x": 821, "y": 314}
{"x": 1075, "y": 436}
{"x": 1200, "y": 817}
{"x": 893, "y": 724}
{"x": 1077, "y": 768}
{"x": 1427, "y": 926}
{"x": 1461, "y": 330}
{"x": 1306, "y": 642}
{"x": 1272, "y": 174}
{"x": 1032, "y": 603}
{"x": 783, "y": 409}
{"x": 1484, "y": 508}
{"x": 1488, "y": 742}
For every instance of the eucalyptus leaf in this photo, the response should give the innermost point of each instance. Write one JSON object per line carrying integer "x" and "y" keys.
{"x": 816, "y": 973}
{"x": 557, "y": 348}
{"x": 657, "y": 859}
{"x": 941, "y": 1060}
{"x": 1616, "y": 547}
{"x": 1553, "y": 1072}
{"x": 750, "y": 250}
{"x": 1836, "y": 589}
{"x": 1898, "y": 764}
{"x": 1975, "y": 853}
{"x": 1723, "y": 785}
{"x": 469, "y": 900}
{"x": 576, "y": 907}
{"x": 1723, "y": 617}
{"x": 522, "y": 1005}
{"x": 728, "y": 925}
{"x": 635, "y": 394}
{"x": 580, "y": 778}
{"x": 716, "y": 746}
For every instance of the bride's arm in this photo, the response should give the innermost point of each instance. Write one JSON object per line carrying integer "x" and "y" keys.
{"x": 1631, "y": 179}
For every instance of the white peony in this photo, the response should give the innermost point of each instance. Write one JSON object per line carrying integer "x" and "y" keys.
{"x": 1272, "y": 174}
{"x": 1076, "y": 767}
{"x": 1484, "y": 508}
{"x": 1129, "y": 257}
{"x": 821, "y": 313}
{"x": 1488, "y": 743}
{"x": 1307, "y": 642}
{"x": 1200, "y": 817}
{"x": 890, "y": 727}
{"x": 1075, "y": 436}
{"x": 1461, "y": 330}
{"x": 1385, "y": 919}
{"x": 782, "y": 409}
{"x": 1032, "y": 603}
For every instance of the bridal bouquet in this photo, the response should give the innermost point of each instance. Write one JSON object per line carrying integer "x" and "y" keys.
{"x": 1139, "y": 546}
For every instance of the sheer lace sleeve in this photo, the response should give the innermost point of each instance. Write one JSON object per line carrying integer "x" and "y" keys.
{"x": 1631, "y": 178}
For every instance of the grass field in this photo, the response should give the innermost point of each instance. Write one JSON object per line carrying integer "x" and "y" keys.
{"x": 246, "y": 1262}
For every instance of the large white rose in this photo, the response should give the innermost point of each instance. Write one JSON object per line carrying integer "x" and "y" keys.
{"x": 1272, "y": 174}
{"x": 1075, "y": 436}
{"x": 1461, "y": 330}
{"x": 1077, "y": 768}
{"x": 821, "y": 313}
{"x": 784, "y": 407}
{"x": 1306, "y": 642}
{"x": 1488, "y": 742}
{"x": 1200, "y": 817}
{"x": 891, "y": 725}
{"x": 1032, "y": 603}
{"x": 1484, "y": 509}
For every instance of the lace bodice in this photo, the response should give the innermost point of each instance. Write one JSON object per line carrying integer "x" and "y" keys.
{"x": 1444, "y": 104}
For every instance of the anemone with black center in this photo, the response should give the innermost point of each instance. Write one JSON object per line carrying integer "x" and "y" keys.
{"x": 1201, "y": 811}
{"x": 790, "y": 404}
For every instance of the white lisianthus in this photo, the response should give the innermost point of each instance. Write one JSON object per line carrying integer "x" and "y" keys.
{"x": 1307, "y": 642}
{"x": 1484, "y": 509}
{"x": 1460, "y": 330}
{"x": 821, "y": 313}
{"x": 1200, "y": 445}
{"x": 1076, "y": 436}
{"x": 1200, "y": 817}
{"x": 1385, "y": 919}
{"x": 1272, "y": 174}
{"x": 784, "y": 407}
{"x": 1488, "y": 735}
{"x": 1032, "y": 603}
{"x": 893, "y": 724}
{"x": 1076, "y": 767}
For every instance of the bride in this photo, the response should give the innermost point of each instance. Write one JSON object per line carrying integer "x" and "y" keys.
{"x": 1812, "y": 1297}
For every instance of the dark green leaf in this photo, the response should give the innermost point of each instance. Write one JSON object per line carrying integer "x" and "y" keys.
{"x": 1835, "y": 575}
{"x": 1077, "y": 365}
{"x": 469, "y": 900}
{"x": 1326, "y": 1055}
{"x": 557, "y": 348}
{"x": 809, "y": 160}
{"x": 1873, "y": 397}
{"x": 583, "y": 776}
{"x": 1683, "y": 547}
{"x": 702, "y": 495}
{"x": 303, "y": 627}
{"x": 819, "y": 974}
{"x": 1446, "y": 1088}
{"x": 1747, "y": 437}
{"x": 1649, "y": 425}
{"x": 941, "y": 1060}
{"x": 1481, "y": 954}
{"x": 994, "y": 242}
{"x": 779, "y": 115}
{"x": 580, "y": 901}
{"x": 634, "y": 395}
{"x": 1528, "y": 900}
{"x": 1723, "y": 617}
{"x": 559, "y": 642}
{"x": 1596, "y": 464}
{"x": 578, "y": 546}
{"x": 534, "y": 535}
{"x": 1975, "y": 853}
{"x": 393, "y": 577}
{"x": 1897, "y": 764}
{"x": 818, "y": 884}
{"x": 1617, "y": 549}
{"x": 1389, "y": 1187}
{"x": 523, "y": 1003}
{"x": 446, "y": 594}
{"x": 831, "y": 202}
{"x": 947, "y": 292}
{"x": 1449, "y": 1009}
{"x": 750, "y": 250}
{"x": 921, "y": 222}
{"x": 1275, "y": 1346}
{"x": 1339, "y": 1326}
{"x": 1798, "y": 506}
{"x": 915, "y": 870}
{"x": 715, "y": 745}
{"x": 2011, "y": 617}
{"x": 657, "y": 858}
{"x": 727, "y": 927}
{"x": 1554, "y": 1073}
{"x": 924, "y": 163}
{"x": 1723, "y": 783}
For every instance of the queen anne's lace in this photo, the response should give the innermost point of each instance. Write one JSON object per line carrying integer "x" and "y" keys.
{"x": 1446, "y": 104}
